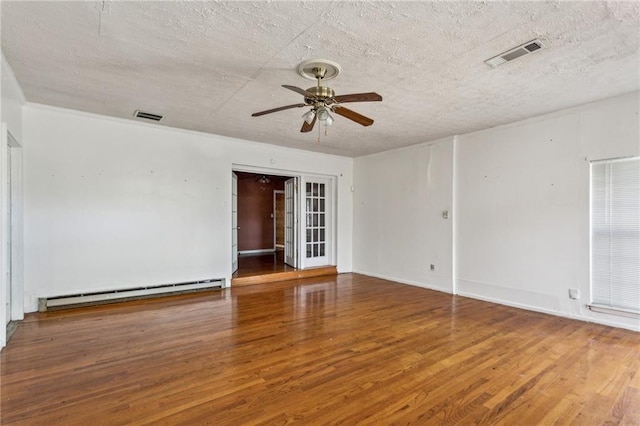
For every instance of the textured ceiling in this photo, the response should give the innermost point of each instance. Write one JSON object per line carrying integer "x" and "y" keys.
{"x": 208, "y": 65}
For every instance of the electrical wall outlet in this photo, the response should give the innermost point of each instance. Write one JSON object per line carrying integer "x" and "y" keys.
{"x": 432, "y": 267}
{"x": 574, "y": 293}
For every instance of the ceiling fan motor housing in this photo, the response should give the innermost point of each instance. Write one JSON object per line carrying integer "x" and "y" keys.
{"x": 320, "y": 93}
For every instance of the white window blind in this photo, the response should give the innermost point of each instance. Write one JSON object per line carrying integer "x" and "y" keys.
{"x": 615, "y": 234}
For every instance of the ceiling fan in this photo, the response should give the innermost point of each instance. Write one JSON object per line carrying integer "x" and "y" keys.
{"x": 322, "y": 99}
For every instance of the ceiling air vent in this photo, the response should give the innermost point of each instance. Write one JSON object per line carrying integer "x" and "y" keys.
{"x": 147, "y": 115}
{"x": 516, "y": 52}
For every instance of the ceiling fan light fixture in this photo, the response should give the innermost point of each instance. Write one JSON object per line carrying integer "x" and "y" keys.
{"x": 328, "y": 121}
{"x": 324, "y": 117}
{"x": 263, "y": 180}
{"x": 309, "y": 116}
{"x": 323, "y": 113}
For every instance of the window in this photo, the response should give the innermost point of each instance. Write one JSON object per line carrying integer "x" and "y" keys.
{"x": 615, "y": 234}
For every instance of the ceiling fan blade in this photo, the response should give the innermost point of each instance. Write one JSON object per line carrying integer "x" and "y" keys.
{"x": 306, "y": 127}
{"x": 299, "y": 90}
{"x": 358, "y": 97}
{"x": 269, "y": 111}
{"x": 352, "y": 115}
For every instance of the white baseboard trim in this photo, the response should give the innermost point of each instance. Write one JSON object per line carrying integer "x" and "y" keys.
{"x": 403, "y": 281}
{"x": 595, "y": 320}
{"x": 259, "y": 251}
{"x": 549, "y": 311}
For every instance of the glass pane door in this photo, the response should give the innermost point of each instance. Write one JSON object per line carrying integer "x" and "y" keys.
{"x": 316, "y": 247}
{"x": 290, "y": 223}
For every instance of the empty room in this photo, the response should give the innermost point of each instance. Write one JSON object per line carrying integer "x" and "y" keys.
{"x": 320, "y": 212}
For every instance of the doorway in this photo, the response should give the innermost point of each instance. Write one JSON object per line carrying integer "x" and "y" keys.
{"x": 259, "y": 224}
{"x": 281, "y": 222}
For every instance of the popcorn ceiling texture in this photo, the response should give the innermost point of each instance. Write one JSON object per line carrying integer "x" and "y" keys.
{"x": 208, "y": 65}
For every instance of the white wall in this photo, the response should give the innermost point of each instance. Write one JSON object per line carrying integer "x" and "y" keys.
{"x": 115, "y": 203}
{"x": 520, "y": 215}
{"x": 522, "y": 200}
{"x": 398, "y": 225}
{"x": 12, "y": 101}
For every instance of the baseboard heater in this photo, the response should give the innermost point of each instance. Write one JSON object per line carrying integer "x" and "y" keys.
{"x": 112, "y": 296}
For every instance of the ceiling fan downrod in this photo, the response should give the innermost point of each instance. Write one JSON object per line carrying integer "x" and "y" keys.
{"x": 319, "y": 72}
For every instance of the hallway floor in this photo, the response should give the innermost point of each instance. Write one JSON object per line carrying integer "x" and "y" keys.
{"x": 261, "y": 264}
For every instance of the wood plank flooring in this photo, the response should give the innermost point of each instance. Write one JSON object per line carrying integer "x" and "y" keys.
{"x": 342, "y": 350}
{"x": 284, "y": 276}
{"x": 250, "y": 265}
{"x": 270, "y": 267}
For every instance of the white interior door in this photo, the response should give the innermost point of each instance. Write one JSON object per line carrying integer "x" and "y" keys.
{"x": 290, "y": 228}
{"x": 316, "y": 248}
{"x": 234, "y": 223}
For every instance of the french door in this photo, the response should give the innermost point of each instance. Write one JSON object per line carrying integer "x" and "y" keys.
{"x": 290, "y": 223}
{"x": 234, "y": 222}
{"x": 316, "y": 248}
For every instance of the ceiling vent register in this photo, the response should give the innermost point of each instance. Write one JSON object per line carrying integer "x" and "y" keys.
{"x": 516, "y": 52}
{"x": 147, "y": 115}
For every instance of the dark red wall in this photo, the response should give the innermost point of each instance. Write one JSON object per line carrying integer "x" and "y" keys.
{"x": 255, "y": 206}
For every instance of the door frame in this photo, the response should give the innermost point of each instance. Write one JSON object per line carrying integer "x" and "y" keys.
{"x": 303, "y": 176}
{"x": 17, "y": 277}
{"x": 11, "y": 235}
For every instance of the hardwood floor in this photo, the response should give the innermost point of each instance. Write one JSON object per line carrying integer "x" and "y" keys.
{"x": 259, "y": 264}
{"x": 350, "y": 349}
{"x": 270, "y": 267}
{"x": 295, "y": 274}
